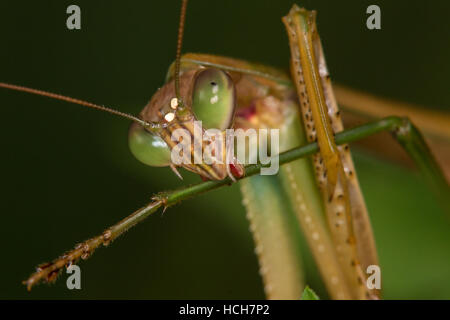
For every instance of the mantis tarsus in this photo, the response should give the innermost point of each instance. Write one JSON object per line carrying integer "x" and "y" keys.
{"x": 176, "y": 196}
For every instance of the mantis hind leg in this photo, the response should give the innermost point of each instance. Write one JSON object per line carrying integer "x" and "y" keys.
{"x": 413, "y": 142}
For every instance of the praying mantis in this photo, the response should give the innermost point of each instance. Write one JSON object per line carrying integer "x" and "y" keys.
{"x": 186, "y": 59}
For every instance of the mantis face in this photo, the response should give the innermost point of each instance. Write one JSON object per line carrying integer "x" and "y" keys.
{"x": 209, "y": 96}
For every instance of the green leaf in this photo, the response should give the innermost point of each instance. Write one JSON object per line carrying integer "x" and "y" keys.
{"x": 309, "y": 294}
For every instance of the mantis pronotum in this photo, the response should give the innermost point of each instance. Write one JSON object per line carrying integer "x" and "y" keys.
{"x": 187, "y": 58}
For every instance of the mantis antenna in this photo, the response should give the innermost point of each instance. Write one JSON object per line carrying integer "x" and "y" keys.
{"x": 75, "y": 101}
{"x": 178, "y": 55}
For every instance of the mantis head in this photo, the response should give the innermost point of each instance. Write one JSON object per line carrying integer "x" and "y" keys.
{"x": 207, "y": 95}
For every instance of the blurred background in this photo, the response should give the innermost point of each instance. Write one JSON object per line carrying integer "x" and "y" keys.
{"x": 67, "y": 173}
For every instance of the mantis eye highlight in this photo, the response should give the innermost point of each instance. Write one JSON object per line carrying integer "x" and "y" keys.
{"x": 148, "y": 148}
{"x": 214, "y": 99}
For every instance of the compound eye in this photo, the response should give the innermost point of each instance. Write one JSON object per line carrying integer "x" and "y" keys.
{"x": 147, "y": 147}
{"x": 214, "y": 99}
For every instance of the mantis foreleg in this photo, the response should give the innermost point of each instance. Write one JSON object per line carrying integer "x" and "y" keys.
{"x": 334, "y": 170}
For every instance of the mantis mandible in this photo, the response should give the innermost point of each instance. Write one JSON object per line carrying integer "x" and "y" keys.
{"x": 279, "y": 270}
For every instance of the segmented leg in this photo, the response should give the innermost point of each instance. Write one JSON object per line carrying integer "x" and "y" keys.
{"x": 333, "y": 168}
{"x": 276, "y": 235}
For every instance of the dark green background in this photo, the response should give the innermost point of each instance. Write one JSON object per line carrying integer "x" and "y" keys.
{"x": 67, "y": 174}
